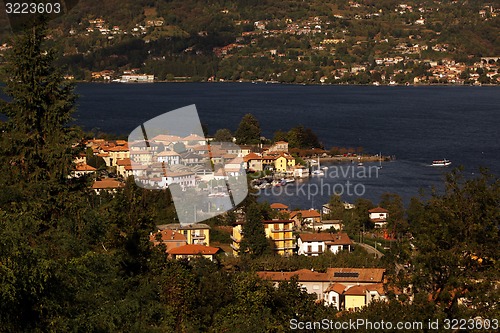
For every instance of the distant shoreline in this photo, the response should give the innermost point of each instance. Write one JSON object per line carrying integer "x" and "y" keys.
{"x": 298, "y": 84}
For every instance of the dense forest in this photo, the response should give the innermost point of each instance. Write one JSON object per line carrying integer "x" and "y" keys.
{"x": 72, "y": 260}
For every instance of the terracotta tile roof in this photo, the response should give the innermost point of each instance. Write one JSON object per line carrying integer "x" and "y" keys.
{"x": 340, "y": 238}
{"x": 194, "y": 137}
{"x": 302, "y": 275}
{"x": 373, "y": 275}
{"x": 252, "y": 156}
{"x": 116, "y": 148}
{"x": 310, "y": 213}
{"x": 84, "y": 167}
{"x": 379, "y": 287}
{"x": 356, "y": 291}
{"x": 107, "y": 183}
{"x": 336, "y": 287}
{"x": 124, "y": 161}
{"x": 167, "y": 138}
{"x": 168, "y": 153}
{"x": 378, "y": 210}
{"x": 194, "y": 249}
{"x": 167, "y": 236}
{"x": 278, "y": 205}
{"x": 334, "y": 275}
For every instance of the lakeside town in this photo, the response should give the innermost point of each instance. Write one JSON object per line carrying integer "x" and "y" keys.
{"x": 91, "y": 235}
{"x": 306, "y": 232}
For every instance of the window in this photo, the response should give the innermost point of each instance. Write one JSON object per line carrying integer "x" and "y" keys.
{"x": 320, "y": 248}
{"x": 276, "y": 226}
{"x": 309, "y": 248}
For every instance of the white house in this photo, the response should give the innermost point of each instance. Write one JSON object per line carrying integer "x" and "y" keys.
{"x": 334, "y": 296}
{"x": 318, "y": 243}
{"x": 326, "y": 225}
{"x": 169, "y": 157}
{"x": 82, "y": 169}
{"x": 183, "y": 178}
{"x": 379, "y": 215}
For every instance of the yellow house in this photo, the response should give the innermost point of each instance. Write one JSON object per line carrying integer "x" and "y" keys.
{"x": 355, "y": 297}
{"x": 279, "y": 231}
{"x": 198, "y": 233}
{"x": 284, "y": 162}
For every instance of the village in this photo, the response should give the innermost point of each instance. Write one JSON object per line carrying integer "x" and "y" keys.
{"x": 308, "y": 232}
{"x": 318, "y": 50}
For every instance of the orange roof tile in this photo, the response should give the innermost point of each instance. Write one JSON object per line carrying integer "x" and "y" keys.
{"x": 194, "y": 249}
{"x": 340, "y": 238}
{"x": 336, "y": 287}
{"x": 378, "y": 210}
{"x": 278, "y": 205}
{"x": 84, "y": 167}
{"x": 107, "y": 183}
{"x": 124, "y": 161}
{"x": 310, "y": 213}
{"x": 356, "y": 291}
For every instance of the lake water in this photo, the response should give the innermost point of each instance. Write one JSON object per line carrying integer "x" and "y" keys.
{"x": 416, "y": 124}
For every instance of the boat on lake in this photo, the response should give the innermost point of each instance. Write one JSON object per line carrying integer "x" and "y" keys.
{"x": 443, "y": 162}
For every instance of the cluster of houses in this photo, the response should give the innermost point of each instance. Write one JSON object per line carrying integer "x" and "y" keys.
{"x": 342, "y": 288}
{"x": 185, "y": 241}
{"x": 319, "y": 236}
{"x": 190, "y": 161}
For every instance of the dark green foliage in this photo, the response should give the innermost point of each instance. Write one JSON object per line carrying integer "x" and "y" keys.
{"x": 248, "y": 131}
{"x": 223, "y": 135}
{"x": 457, "y": 239}
{"x": 41, "y": 104}
{"x": 299, "y": 137}
{"x": 396, "y": 219}
{"x": 254, "y": 240}
{"x": 337, "y": 209}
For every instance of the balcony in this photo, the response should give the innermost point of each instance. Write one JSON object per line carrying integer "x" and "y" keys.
{"x": 234, "y": 239}
{"x": 195, "y": 236}
{"x": 281, "y": 230}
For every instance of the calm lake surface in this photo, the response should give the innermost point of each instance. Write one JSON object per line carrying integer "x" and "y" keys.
{"x": 416, "y": 124}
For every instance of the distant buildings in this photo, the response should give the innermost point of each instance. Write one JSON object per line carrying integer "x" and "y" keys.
{"x": 343, "y": 288}
{"x": 378, "y": 216}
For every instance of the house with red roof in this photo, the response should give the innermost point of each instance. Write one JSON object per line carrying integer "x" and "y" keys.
{"x": 319, "y": 243}
{"x": 320, "y": 283}
{"x": 305, "y": 218}
{"x": 279, "y": 207}
{"x": 107, "y": 184}
{"x": 170, "y": 238}
{"x": 378, "y": 215}
{"x": 253, "y": 162}
{"x": 82, "y": 169}
{"x": 194, "y": 250}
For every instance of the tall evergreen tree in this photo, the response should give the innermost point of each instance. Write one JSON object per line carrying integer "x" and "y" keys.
{"x": 254, "y": 240}
{"x": 36, "y": 139}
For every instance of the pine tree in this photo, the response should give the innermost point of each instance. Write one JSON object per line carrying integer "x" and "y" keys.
{"x": 36, "y": 141}
{"x": 254, "y": 240}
